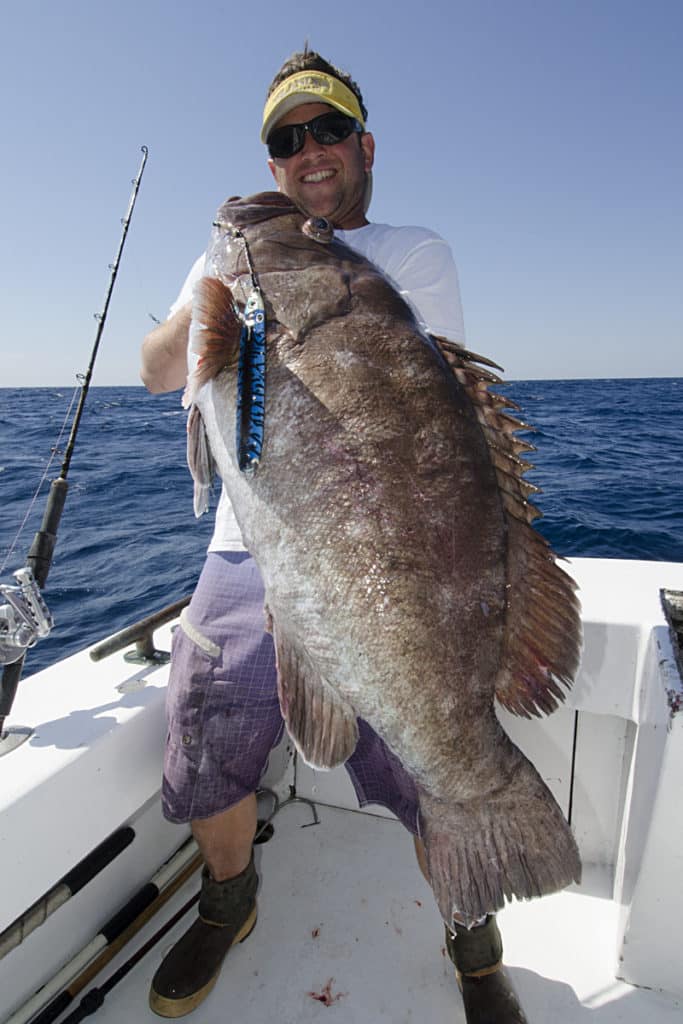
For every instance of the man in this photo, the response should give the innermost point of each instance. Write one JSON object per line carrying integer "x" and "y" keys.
{"x": 222, "y": 706}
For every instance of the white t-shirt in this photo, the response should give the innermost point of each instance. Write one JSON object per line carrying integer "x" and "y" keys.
{"x": 420, "y": 265}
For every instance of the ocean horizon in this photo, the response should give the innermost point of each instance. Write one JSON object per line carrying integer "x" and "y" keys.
{"x": 608, "y": 460}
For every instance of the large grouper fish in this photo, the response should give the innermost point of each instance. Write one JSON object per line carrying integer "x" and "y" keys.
{"x": 388, "y": 516}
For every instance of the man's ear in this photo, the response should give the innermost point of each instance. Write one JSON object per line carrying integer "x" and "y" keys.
{"x": 367, "y": 144}
{"x": 273, "y": 171}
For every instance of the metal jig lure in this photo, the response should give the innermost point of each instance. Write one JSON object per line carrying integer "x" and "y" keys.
{"x": 251, "y": 370}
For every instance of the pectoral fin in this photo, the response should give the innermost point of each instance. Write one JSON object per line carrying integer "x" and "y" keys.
{"x": 200, "y": 460}
{"x": 215, "y": 333}
{"x": 323, "y": 726}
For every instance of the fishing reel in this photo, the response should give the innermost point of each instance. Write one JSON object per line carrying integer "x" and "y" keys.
{"x": 24, "y": 617}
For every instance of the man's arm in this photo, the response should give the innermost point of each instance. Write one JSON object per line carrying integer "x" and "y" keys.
{"x": 164, "y": 353}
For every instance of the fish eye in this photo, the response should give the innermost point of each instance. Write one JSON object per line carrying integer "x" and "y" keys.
{"x": 318, "y": 228}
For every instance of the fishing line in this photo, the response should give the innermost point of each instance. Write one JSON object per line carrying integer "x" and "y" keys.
{"x": 54, "y": 451}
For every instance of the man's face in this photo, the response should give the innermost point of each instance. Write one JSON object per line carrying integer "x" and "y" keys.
{"x": 326, "y": 181}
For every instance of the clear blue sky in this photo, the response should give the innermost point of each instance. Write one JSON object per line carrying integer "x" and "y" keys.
{"x": 542, "y": 139}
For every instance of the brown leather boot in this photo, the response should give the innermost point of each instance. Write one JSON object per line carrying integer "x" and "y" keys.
{"x": 487, "y": 992}
{"x": 227, "y": 915}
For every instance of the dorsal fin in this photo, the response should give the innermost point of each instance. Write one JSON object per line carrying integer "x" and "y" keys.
{"x": 542, "y": 643}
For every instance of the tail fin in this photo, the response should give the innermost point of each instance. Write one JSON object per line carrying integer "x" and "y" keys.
{"x": 513, "y": 842}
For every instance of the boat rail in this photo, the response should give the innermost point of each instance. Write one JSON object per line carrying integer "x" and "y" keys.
{"x": 141, "y": 633}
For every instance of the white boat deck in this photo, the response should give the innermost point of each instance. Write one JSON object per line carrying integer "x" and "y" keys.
{"x": 343, "y": 909}
{"x": 347, "y": 928}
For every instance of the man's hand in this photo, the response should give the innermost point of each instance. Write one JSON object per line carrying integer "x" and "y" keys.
{"x": 164, "y": 353}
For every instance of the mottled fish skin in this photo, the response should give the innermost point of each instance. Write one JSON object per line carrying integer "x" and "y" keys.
{"x": 400, "y": 572}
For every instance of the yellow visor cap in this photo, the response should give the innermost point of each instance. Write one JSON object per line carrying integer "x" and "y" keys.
{"x": 309, "y": 87}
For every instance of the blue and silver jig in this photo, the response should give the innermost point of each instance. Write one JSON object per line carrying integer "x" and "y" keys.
{"x": 251, "y": 368}
{"x": 251, "y": 383}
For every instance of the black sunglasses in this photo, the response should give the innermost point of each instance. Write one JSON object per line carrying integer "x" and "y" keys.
{"x": 326, "y": 129}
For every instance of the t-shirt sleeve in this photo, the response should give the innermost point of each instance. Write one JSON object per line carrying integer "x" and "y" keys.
{"x": 185, "y": 294}
{"x": 424, "y": 271}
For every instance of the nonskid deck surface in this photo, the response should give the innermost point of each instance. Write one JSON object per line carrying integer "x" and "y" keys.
{"x": 347, "y": 931}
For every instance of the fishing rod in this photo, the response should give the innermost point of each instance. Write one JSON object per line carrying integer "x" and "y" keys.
{"x": 58, "y": 992}
{"x": 25, "y": 618}
{"x": 66, "y": 888}
{"x": 94, "y": 997}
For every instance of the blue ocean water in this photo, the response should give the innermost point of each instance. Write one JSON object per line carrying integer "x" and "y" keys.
{"x": 609, "y": 461}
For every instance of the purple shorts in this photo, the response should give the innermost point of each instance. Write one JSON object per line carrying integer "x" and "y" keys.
{"x": 223, "y": 711}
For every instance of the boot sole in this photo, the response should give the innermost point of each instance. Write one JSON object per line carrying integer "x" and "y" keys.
{"x": 165, "y": 1007}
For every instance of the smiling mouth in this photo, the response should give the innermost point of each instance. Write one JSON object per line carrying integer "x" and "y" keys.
{"x": 315, "y": 176}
